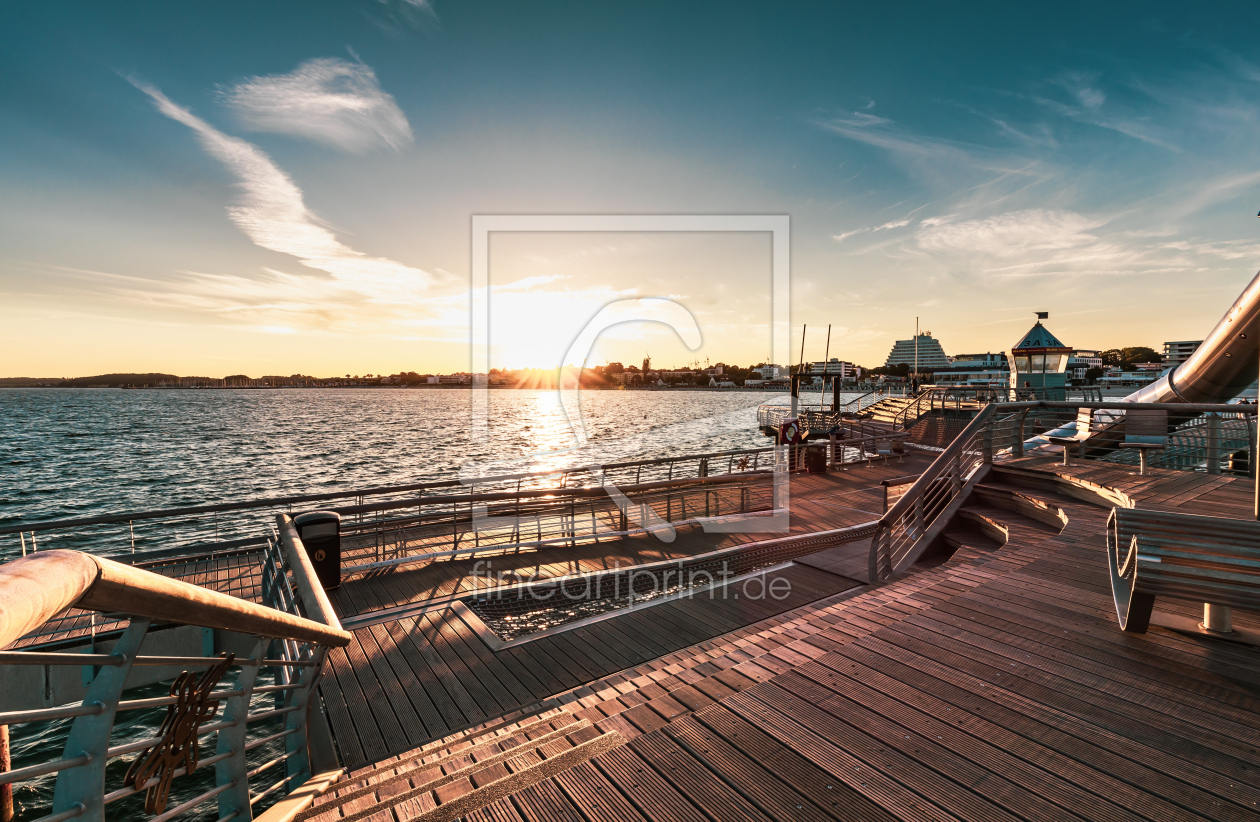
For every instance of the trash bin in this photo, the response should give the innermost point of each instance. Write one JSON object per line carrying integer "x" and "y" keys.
{"x": 320, "y": 532}
{"x": 816, "y": 459}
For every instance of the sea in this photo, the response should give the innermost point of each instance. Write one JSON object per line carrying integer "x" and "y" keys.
{"x": 71, "y": 453}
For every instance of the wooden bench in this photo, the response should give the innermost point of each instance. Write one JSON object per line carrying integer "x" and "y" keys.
{"x": 1084, "y": 419}
{"x": 1145, "y": 429}
{"x": 895, "y": 447}
{"x": 1213, "y": 560}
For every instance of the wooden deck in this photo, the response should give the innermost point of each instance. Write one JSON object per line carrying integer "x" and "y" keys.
{"x": 818, "y": 502}
{"x": 417, "y": 672}
{"x": 1191, "y": 493}
{"x": 993, "y": 686}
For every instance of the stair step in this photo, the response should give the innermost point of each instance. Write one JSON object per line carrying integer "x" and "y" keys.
{"x": 484, "y": 755}
{"x": 968, "y": 542}
{"x": 1031, "y": 505}
{"x": 500, "y": 729}
{"x": 515, "y": 780}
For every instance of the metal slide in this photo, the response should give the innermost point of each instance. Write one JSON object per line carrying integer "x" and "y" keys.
{"x": 1218, "y": 370}
{"x": 1222, "y": 366}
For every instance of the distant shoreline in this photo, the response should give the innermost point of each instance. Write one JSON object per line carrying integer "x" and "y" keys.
{"x": 422, "y": 387}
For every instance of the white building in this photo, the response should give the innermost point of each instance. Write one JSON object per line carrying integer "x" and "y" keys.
{"x": 988, "y": 369}
{"x": 767, "y": 374}
{"x": 1177, "y": 352}
{"x": 1081, "y": 361}
{"x": 1116, "y": 377}
{"x": 930, "y": 356}
{"x": 833, "y": 368}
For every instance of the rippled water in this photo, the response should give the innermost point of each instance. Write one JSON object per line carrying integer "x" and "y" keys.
{"x": 77, "y": 452}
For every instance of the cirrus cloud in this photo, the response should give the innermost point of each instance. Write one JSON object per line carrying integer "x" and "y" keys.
{"x": 1013, "y": 234}
{"x": 272, "y": 212}
{"x": 327, "y": 100}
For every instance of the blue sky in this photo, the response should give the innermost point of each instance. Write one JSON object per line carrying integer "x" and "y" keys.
{"x": 287, "y": 187}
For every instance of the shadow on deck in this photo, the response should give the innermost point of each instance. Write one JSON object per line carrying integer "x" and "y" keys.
{"x": 993, "y": 685}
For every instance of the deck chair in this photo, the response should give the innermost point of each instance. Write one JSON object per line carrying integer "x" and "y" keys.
{"x": 1084, "y": 419}
{"x": 893, "y": 448}
{"x": 1145, "y": 429}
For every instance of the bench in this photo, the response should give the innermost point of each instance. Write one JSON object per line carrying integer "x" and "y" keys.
{"x": 895, "y": 447}
{"x": 1084, "y": 419}
{"x": 1145, "y": 429}
{"x": 1212, "y": 560}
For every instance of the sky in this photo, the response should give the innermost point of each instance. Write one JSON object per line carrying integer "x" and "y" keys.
{"x": 288, "y": 187}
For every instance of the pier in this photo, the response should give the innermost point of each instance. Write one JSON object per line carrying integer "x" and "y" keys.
{"x": 943, "y": 642}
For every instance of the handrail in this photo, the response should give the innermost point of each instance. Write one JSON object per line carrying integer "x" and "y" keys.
{"x": 543, "y": 493}
{"x": 921, "y": 513}
{"x": 907, "y": 522}
{"x": 36, "y": 588}
{"x": 915, "y": 403}
{"x": 268, "y": 502}
{"x": 314, "y": 599}
{"x": 942, "y": 461}
{"x": 30, "y": 595}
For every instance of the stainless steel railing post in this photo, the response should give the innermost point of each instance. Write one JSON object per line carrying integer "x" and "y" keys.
{"x": 1017, "y": 447}
{"x": 83, "y": 787}
{"x": 235, "y": 769}
{"x": 1213, "y": 444}
{"x": 298, "y": 766}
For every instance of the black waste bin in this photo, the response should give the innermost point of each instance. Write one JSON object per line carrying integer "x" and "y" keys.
{"x": 320, "y": 532}
{"x": 816, "y": 459}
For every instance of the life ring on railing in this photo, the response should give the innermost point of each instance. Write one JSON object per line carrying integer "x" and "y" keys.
{"x": 790, "y": 432}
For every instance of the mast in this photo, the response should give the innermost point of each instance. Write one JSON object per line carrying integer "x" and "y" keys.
{"x": 796, "y": 380}
{"x": 915, "y": 376}
{"x": 822, "y": 390}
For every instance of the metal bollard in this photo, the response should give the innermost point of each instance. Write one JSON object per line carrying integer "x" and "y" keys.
{"x": 1217, "y": 619}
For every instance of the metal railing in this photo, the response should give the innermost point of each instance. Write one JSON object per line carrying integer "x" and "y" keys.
{"x": 245, "y": 526}
{"x": 465, "y": 526}
{"x": 263, "y": 744}
{"x": 1212, "y": 443}
{"x": 818, "y": 419}
{"x": 1201, "y": 438}
{"x": 959, "y": 398}
{"x": 922, "y": 403}
{"x": 910, "y": 523}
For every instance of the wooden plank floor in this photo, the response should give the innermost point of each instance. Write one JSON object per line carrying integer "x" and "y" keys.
{"x": 817, "y": 502}
{"x": 403, "y": 683}
{"x": 996, "y": 687}
{"x": 1160, "y": 489}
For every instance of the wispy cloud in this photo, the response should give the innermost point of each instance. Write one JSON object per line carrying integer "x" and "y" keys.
{"x": 1013, "y": 234}
{"x": 884, "y": 133}
{"x": 847, "y": 234}
{"x": 399, "y": 16}
{"x": 1090, "y": 105}
{"x": 328, "y": 100}
{"x": 273, "y": 214}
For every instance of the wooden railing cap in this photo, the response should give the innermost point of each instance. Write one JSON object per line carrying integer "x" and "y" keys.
{"x": 36, "y": 588}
